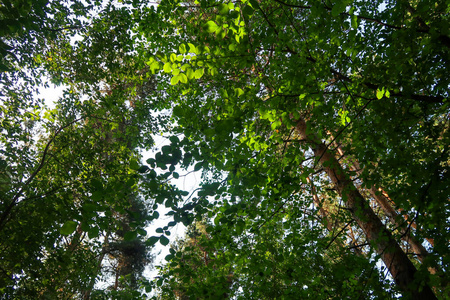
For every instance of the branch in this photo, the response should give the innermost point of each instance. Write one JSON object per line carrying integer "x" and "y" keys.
{"x": 357, "y": 246}
{"x": 61, "y": 29}
{"x": 30, "y": 179}
{"x": 340, "y": 231}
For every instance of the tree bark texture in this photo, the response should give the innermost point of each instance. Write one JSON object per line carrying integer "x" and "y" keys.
{"x": 386, "y": 205}
{"x": 398, "y": 263}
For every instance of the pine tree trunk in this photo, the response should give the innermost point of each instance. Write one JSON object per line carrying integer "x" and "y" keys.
{"x": 399, "y": 265}
{"x": 87, "y": 293}
{"x": 391, "y": 213}
{"x": 325, "y": 217}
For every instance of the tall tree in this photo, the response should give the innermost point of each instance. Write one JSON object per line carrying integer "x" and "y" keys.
{"x": 68, "y": 173}
{"x": 260, "y": 85}
{"x": 297, "y": 113}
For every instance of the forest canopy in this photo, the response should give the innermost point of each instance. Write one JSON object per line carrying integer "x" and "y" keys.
{"x": 320, "y": 130}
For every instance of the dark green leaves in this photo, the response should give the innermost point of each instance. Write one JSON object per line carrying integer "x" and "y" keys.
{"x": 198, "y": 166}
{"x": 163, "y": 240}
{"x": 223, "y": 9}
{"x": 338, "y": 7}
{"x": 152, "y": 240}
{"x": 130, "y": 235}
{"x": 68, "y": 228}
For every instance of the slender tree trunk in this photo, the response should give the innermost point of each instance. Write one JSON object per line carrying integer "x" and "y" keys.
{"x": 322, "y": 211}
{"x": 398, "y": 263}
{"x": 381, "y": 195}
{"x": 325, "y": 216}
{"x": 87, "y": 293}
{"x": 391, "y": 213}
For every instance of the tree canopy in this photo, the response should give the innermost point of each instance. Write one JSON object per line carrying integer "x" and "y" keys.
{"x": 320, "y": 129}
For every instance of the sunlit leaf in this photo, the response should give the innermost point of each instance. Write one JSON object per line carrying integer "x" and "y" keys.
{"x": 211, "y": 26}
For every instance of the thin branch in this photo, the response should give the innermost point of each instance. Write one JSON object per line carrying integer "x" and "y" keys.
{"x": 358, "y": 246}
{"x": 13, "y": 203}
{"x": 63, "y": 28}
{"x": 340, "y": 231}
{"x": 342, "y": 129}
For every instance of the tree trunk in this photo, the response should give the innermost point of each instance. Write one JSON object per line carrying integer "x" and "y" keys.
{"x": 325, "y": 217}
{"x": 90, "y": 287}
{"x": 400, "y": 267}
{"x": 385, "y": 204}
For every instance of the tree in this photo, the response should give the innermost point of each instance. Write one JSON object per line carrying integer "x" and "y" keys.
{"x": 264, "y": 89}
{"x": 300, "y": 115}
{"x": 196, "y": 268}
{"x": 69, "y": 173}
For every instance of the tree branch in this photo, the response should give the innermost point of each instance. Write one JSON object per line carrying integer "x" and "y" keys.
{"x": 13, "y": 203}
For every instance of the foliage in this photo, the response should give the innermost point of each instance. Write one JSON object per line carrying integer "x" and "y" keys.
{"x": 302, "y": 116}
{"x": 197, "y": 268}
{"x": 68, "y": 173}
{"x": 267, "y": 92}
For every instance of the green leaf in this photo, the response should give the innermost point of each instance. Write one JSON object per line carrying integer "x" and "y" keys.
{"x": 143, "y": 169}
{"x": 134, "y": 165}
{"x": 168, "y": 257}
{"x": 167, "y": 67}
{"x": 193, "y": 49}
{"x": 68, "y": 228}
{"x": 142, "y": 232}
{"x": 90, "y": 207}
{"x": 178, "y": 111}
{"x": 198, "y": 166}
{"x": 130, "y": 235}
{"x": 247, "y": 11}
{"x": 190, "y": 73}
{"x": 183, "y": 78}
{"x": 185, "y": 67}
{"x": 223, "y": 9}
{"x": 354, "y": 22}
{"x": 211, "y": 27}
{"x": 163, "y": 240}
{"x": 174, "y": 80}
{"x": 93, "y": 232}
{"x": 176, "y": 72}
{"x": 239, "y": 92}
{"x": 182, "y": 49}
{"x": 338, "y": 8}
{"x": 174, "y": 139}
{"x": 380, "y": 93}
{"x": 199, "y": 73}
{"x": 152, "y": 240}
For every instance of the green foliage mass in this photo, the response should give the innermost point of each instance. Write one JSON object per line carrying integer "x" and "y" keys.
{"x": 370, "y": 81}
{"x": 301, "y": 116}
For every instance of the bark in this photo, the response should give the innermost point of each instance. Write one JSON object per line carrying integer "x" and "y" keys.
{"x": 397, "y": 262}
{"x": 384, "y": 197}
{"x": 87, "y": 293}
{"x": 385, "y": 204}
{"x": 324, "y": 213}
